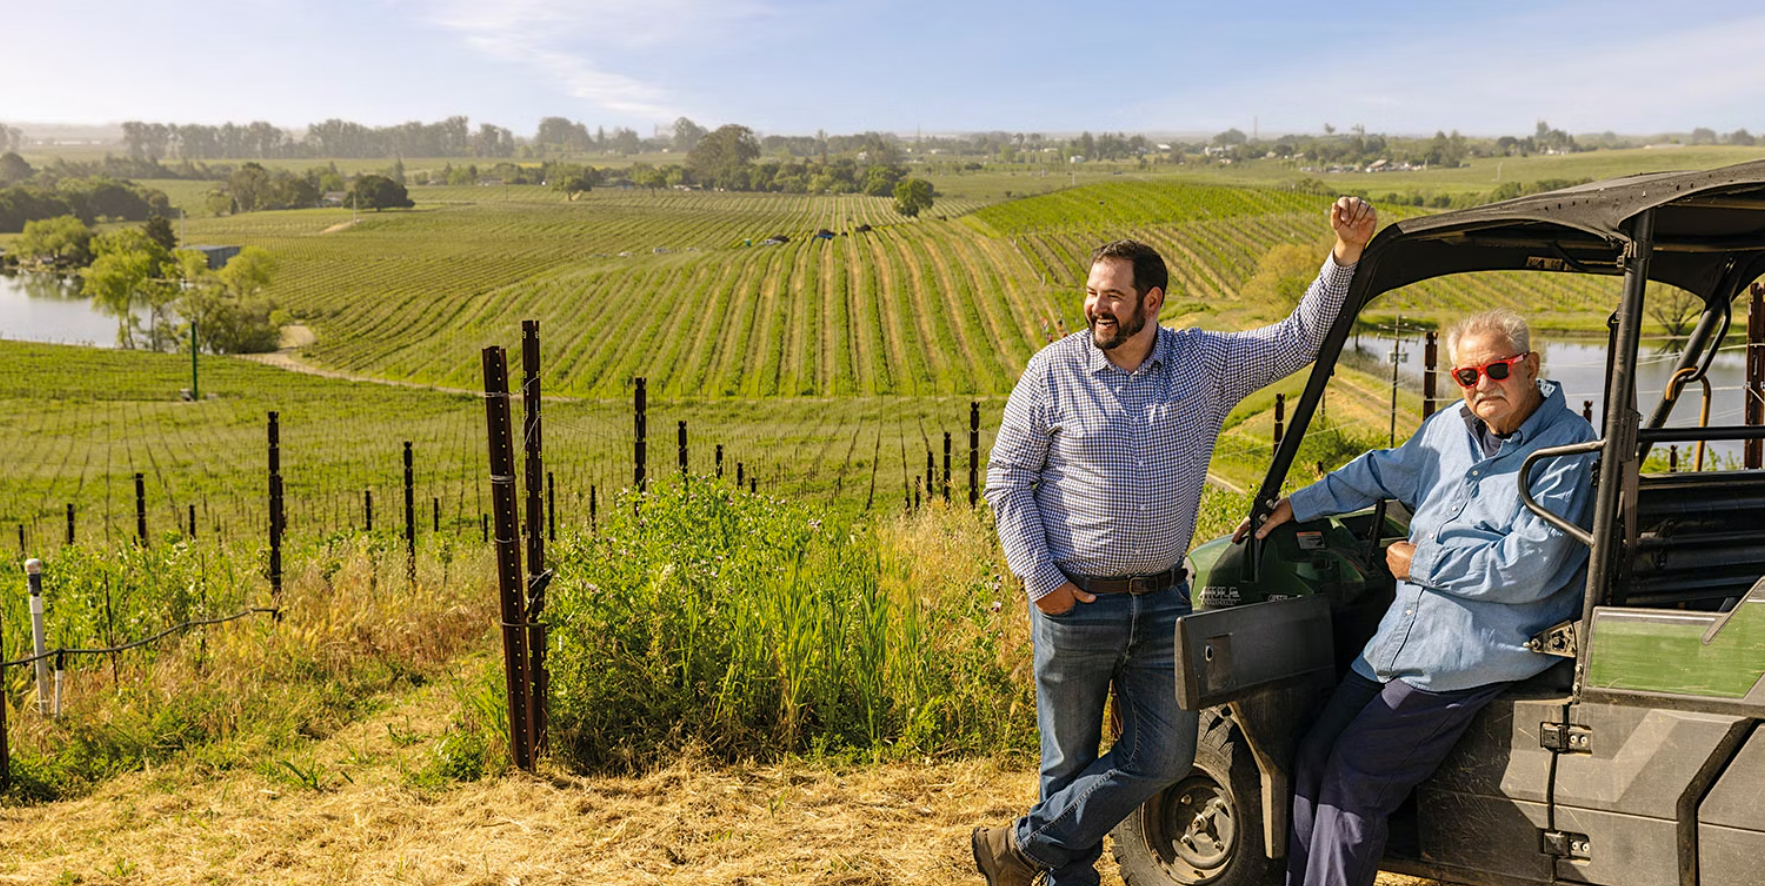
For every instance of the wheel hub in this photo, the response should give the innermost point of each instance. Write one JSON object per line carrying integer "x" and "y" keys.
{"x": 1200, "y": 821}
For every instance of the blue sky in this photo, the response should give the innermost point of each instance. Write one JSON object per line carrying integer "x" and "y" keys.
{"x": 1488, "y": 67}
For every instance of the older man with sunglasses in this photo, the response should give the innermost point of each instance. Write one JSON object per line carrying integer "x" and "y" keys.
{"x": 1478, "y": 576}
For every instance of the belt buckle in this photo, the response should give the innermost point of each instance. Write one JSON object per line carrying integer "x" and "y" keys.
{"x": 1139, "y": 585}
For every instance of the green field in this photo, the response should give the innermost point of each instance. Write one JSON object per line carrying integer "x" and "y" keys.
{"x": 79, "y": 423}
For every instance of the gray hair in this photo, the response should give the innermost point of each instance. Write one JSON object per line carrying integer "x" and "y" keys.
{"x": 1500, "y": 321}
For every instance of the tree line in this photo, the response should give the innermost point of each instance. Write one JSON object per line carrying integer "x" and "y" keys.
{"x": 258, "y": 140}
{"x": 27, "y": 194}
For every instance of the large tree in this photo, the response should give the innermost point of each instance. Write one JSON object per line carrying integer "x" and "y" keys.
{"x": 130, "y": 273}
{"x": 913, "y": 196}
{"x": 379, "y": 192}
{"x": 721, "y": 159}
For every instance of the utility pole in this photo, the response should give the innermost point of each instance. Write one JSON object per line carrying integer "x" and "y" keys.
{"x": 1398, "y": 354}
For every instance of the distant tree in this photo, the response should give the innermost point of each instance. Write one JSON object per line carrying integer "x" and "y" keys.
{"x": 330, "y": 179}
{"x": 646, "y": 176}
{"x": 880, "y": 180}
{"x": 721, "y": 158}
{"x": 14, "y": 169}
{"x": 1230, "y": 138}
{"x": 378, "y": 192}
{"x": 159, "y": 230}
{"x": 687, "y": 134}
{"x": 574, "y": 180}
{"x": 60, "y": 242}
{"x": 1549, "y": 139}
{"x": 1703, "y": 135}
{"x": 913, "y": 196}
{"x": 1737, "y": 137}
{"x": 217, "y": 202}
{"x": 11, "y": 138}
{"x": 229, "y": 306}
{"x": 249, "y": 186}
{"x": 128, "y": 273}
{"x": 625, "y": 141}
{"x": 493, "y": 141}
{"x": 1675, "y": 309}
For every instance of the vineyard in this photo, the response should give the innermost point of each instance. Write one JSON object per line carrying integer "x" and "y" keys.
{"x": 79, "y": 424}
{"x": 691, "y": 289}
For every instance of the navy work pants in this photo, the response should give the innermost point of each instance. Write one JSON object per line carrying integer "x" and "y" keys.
{"x": 1372, "y": 745}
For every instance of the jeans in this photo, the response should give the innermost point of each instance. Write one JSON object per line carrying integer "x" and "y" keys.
{"x": 1132, "y": 641}
{"x": 1370, "y": 747}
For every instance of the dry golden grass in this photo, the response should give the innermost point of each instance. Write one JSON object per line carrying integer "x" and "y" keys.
{"x": 690, "y": 823}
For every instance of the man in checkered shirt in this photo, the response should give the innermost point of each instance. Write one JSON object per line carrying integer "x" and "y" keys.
{"x": 1095, "y": 478}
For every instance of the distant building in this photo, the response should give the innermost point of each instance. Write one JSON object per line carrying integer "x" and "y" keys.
{"x": 218, "y": 256}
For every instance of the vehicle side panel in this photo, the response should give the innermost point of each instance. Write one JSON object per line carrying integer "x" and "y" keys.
{"x": 1625, "y": 794}
{"x": 1731, "y": 821}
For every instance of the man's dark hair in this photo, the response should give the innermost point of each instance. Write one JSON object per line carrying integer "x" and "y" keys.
{"x": 1149, "y": 270}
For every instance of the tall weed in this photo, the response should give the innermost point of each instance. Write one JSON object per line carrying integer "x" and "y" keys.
{"x": 755, "y": 627}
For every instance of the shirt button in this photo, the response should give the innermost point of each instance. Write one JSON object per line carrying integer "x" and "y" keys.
{"x": 1409, "y": 612}
{"x": 1142, "y": 507}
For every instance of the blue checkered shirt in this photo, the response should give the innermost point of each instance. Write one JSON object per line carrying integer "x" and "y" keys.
{"x": 1098, "y": 472}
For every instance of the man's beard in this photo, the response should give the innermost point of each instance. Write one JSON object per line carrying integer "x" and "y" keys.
{"x": 1123, "y": 331}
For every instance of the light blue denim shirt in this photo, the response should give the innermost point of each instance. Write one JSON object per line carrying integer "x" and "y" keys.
{"x": 1487, "y": 573}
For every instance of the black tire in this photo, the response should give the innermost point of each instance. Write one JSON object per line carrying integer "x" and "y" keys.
{"x": 1205, "y": 830}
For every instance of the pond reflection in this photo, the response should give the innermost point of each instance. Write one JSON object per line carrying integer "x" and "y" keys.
{"x": 50, "y": 308}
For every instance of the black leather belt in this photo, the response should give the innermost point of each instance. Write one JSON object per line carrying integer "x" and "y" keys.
{"x": 1131, "y": 584}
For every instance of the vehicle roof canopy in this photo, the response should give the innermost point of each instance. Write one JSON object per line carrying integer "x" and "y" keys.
{"x": 1709, "y": 234}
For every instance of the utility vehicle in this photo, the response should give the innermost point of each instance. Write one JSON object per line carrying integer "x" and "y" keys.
{"x": 1638, "y": 760}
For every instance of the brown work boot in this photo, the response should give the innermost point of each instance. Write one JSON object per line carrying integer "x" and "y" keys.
{"x": 998, "y": 859}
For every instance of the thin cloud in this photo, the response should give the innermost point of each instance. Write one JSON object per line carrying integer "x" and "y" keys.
{"x": 1498, "y": 76}
{"x": 570, "y": 41}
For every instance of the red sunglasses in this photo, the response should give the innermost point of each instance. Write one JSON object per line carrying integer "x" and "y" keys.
{"x": 1497, "y": 370}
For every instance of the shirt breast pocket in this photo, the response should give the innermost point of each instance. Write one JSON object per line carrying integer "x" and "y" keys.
{"x": 1087, "y": 438}
{"x": 1176, "y": 426}
{"x": 1496, "y": 505}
